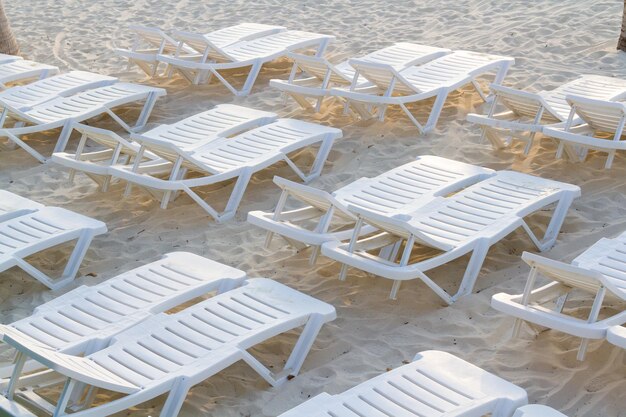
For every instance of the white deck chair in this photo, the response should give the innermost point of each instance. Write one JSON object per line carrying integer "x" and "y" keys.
{"x": 617, "y": 336}
{"x": 27, "y": 96}
{"x": 83, "y": 320}
{"x": 602, "y": 130}
{"x": 399, "y": 190}
{"x": 207, "y": 47}
{"x": 224, "y": 159}
{"x": 45, "y": 228}
{"x": 172, "y": 353}
{"x": 525, "y": 114}
{"x": 222, "y": 120}
{"x": 437, "y": 78}
{"x": 63, "y": 111}
{"x": 150, "y": 42}
{"x": 435, "y": 384}
{"x": 5, "y": 58}
{"x": 599, "y": 270}
{"x": 470, "y": 221}
{"x": 319, "y": 75}
{"x": 23, "y": 70}
{"x": 13, "y": 205}
{"x": 254, "y": 54}
{"x": 537, "y": 410}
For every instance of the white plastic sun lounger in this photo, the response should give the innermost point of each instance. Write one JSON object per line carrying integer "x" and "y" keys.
{"x": 23, "y": 70}
{"x": 63, "y": 111}
{"x": 470, "y": 221}
{"x": 150, "y": 42}
{"x": 5, "y": 59}
{"x": 83, "y": 320}
{"x": 222, "y": 120}
{"x": 399, "y": 190}
{"x": 437, "y": 78}
{"x": 617, "y": 336}
{"x": 13, "y": 205}
{"x": 536, "y": 410}
{"x": 224, "y": 159}
{"x": 435, "y": 384}
{"x": 319, "y": 75}
{"x": 27, "y": 96}
{"x": 253, "y": 53}
{"x": 602, "y": 130}
{"x": 45, "y": 228}
{"x": 525, "y": 114}
{"x": 172, "y": 353}
{"x": 600, "y": 270}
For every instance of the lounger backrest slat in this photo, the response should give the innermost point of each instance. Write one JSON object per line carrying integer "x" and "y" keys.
{"x": 23, "y": 69}
{"x": 320, "y": 68}
{"x": 526, "y": 104}
{"x": 602, "y": 116}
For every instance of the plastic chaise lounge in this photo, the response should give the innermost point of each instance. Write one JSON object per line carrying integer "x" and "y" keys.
{"x": 85, "y": 319}
{"x": 617, "y": 336}
{"x": 435, "y": 79}
{"x": 470, "y": 221}
{"x": 537, "y": 410}
{"x": 169, "y": 354}
{"x": 23, "y": 236}
{"x": 319, "y": 75}
{"x": 601, "y": 128}
{"x": 435, "y": 384}
{"x": 221, "y": 121}
{"x": 23, "y": 70}
{"x": 525, "y": 114}
{"x": 225, "y": 159}
{"x": 253, "y": 53}
{"x": 598, "y": 271}
{"x": 62, "y": 112}
{"x": 326, "y": 216}
{"x": 26, "y": 96}
{"x": 150, "y": 42}
{"x": 13, "y": 205}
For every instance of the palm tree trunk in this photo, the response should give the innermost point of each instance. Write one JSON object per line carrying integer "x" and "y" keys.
{"x": 621, "y": 45}
{"x": 8, "y": 44}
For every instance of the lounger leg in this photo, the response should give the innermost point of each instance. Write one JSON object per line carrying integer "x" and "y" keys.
{"x": 593, "y": 317}
{"x": 530, "y": 283}
{"x": 436, "y": 111}
{"x": 176, "y": 398}
{"x": 558, "y": 218}
{"x": 296, "y": 358}
{"x": 473, "y": 269}
{"x": 18, "y": 366}
{"x": 146, "y": 111}
{"x": 277, "y": 211}
{"x": 353, "y": 241}
{"x": 320, "y": 159}
{"x": 63, "y": 137}
{"x": 76, "y": 258}
{"x": 38, "y": 156}
{"x": 254, "y": 73}
{"x": 609, "y": 160}
{"x": 59, "y": 411}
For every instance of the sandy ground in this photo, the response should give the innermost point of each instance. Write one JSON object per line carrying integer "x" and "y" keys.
{"x": 552, "y": 41}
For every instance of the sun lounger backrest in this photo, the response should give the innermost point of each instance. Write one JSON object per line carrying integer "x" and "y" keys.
{"x": 155, "y": 37}
{"x": 602, "y": 116}
{"x": 527, "y": 104}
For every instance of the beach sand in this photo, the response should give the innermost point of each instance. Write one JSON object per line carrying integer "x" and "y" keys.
{"x": 552, "y": 41}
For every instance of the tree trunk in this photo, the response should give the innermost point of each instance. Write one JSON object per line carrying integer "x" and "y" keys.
{"x": 8, "y": 44}
{"x": 621, "y": 45}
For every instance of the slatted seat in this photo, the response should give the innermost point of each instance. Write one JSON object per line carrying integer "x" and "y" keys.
{"x": 617, "y": 336}
{"x": 525, "y": 114}
{"x": 22, "y": 70}
{"x": 150, "y": 42}
{"x": 64, "y": 85}
{"x": 249, "y": 53}
{"x": 221, "y": 121}
{"x": 436, "y": 78}
{"x": 435, "y": 384}
{"x": 399, "y": 190}
{"x": 470, "y": 221}
{"x": 172, "y": 353}
{"x": 320, "y": 75}
{"x": 600, "y": 270}
{"x": 13, "y": 205}
{"x": 224, "y": 158}
{"x": 62, "y": 112}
